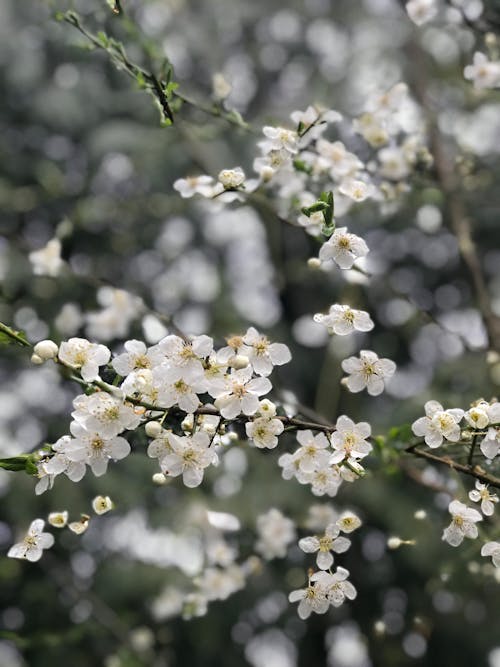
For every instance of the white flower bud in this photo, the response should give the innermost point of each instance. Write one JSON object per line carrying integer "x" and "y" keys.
{"x": 233, "y": 436}
{"x": 159, "y": 479}
{"x": 187, "y": 423}
{"x": 211, "y": 429}
{"x": 314, "y": 262}
{"x": 394, "y": 542}
{"x": 153, "y": 429}
{"x": 46, "y": 349}
{"x": 35, "y": 359}
{"x": 58, "y": 519}
{"x": 420, "y": 515}
{"x": 238, "y": 362}
{"x": 220, "y": 86}
{"x": 102, "y": 504}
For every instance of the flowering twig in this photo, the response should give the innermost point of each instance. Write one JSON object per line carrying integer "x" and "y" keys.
{"x": 473, "y": 471}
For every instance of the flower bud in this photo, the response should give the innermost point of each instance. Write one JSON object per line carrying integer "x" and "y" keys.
{"x": 394, "y": 542}
{"x": 153, "y": 429}
{"x": 187, "y": 423}
{"x": 239, "y": 361}
{"x": 35, "y": 359}
{"x": 314, "y": 262}
{"x": 46, "y": 349}
{"x": 159, "y": 479}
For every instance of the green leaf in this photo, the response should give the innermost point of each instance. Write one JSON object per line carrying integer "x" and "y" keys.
{"x": 8, "y": 336}
{"x": 103, "y": 39}
{"x": 300, "y": 165}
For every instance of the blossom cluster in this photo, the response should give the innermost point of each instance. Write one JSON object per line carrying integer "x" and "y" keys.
{"x": 327, "y": 588}
{"x": 482, "y": 421}
{"x": 314, "y": 462}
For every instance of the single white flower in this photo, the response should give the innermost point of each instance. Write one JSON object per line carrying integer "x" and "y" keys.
{"x": 343, "y": 248}
{"x": 463, "y": 523}
{"x": 79, "y": 353}
{"x": 267, "y": 408}
{"x": 490, "y": 445}
{"x": 239, "y": 393}
{"x": 47, "y": 261}
{"x": 93, "y": 449}
{"x": 275, "y": 533}
{"x": 79, "y": 527}
{"x": 344, "y": 320}
{"x": 483, "y": 72}
{"x": 189, "y": 457}
{"x": 488, "y": 500}
{"x": 492, "y": 549}
{"x": 102, "y": 504}
{"x": 231, "y": 179}
{"x": 349, "y": 440}
{"x": 263, "y": 432}
{"x": 311, "y": 454}
{"x": 105, "y": 414}
{"x": 263, "y": 354}
{"x": 368, "y": 371}
{"x": 324, "y": 545}
{"x": 33, "y": 544}
{"x": 279, "y": 139}
{"x": 192, "y": 185}
{"x": 356, "y": 190}
{"x": 348, "y": 521}
{"x": 135, "y": 357}
{"x": 477, "y": 416}
{"x": 58, "y": 519}
{"x": 310, "y": 599}
{"x": 421, "y": 11}
{"x": 438, "y": 424}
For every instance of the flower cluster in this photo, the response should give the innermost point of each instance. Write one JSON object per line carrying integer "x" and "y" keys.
{"x": 314, "y": 463}
{"x": 324, "y": 588}
{"x": 439, "y": 425}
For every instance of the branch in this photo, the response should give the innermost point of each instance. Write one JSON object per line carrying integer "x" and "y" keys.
{"x": 472, "y": 471}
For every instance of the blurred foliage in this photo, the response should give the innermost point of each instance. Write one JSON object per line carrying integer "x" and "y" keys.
{"x": 84, "y": 157}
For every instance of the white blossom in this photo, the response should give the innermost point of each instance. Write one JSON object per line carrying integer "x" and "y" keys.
{"x": 488, "y": 500}
{"x": 438, "y": 424}
{"x": 356, "y": 190}
{"x": 92, "y": 448}
{"x": 490, "y": 445}
{"x": 310, "y": 599}
{"x": 102, "y": 504}
{"x": 477, "y": 416}
{"x": 262, "y": 354}
{"x": 239, "y": 393}
{"x": 463, "y": 523}
{"x": 492, "y": 549}
{"x": 349, "y": 440}
{"x": 79, "y": 353}
{"x": 33, "y": 544}
{"x": 324, "y": 545}
{"x": 47, "y": 261}
{"x": 231, "y": 178}
{"x": 368, "y": 371}
{"x": 134, "y": 358}
{"x": 311, "y": 454}
{"x": 348, "y": 521}
{"x": 189, "y": 457}
{"x": 343, "y": 248}
{"x": 275, "y": 533}
{"x": 483, "y": 72}
{"x": 422, "y": 11}
{"x": 104, "y": 414}
{"x": 202, "y": 185}
{"x": 58, "y": 519}
{"x": 344, "y": 320}
{"x": 263, "y": 431}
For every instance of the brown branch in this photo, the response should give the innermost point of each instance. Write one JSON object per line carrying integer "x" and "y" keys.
{"x": 472, "y": 471}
